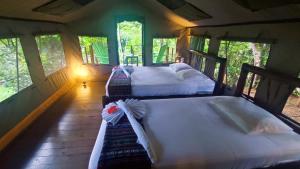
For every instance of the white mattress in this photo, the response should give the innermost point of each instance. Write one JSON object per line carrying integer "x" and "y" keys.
{"x": 188, "y": 133}
{"x": 162, "y": 81}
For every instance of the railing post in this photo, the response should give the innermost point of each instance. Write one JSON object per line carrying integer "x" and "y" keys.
{"x": 92, "y": 54}
{"x": 242, "y": 80}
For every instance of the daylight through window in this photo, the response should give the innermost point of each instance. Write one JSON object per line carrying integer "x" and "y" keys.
{"x": 164, "y": 50}
{"x": 238, "y": 53}
{"x": 51, "y": 53}
{"x": 94, "y": 50}
{"x": 199, "y": 43}
{"x": 14, "y": 74}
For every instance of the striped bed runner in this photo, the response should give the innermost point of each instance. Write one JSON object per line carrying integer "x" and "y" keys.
{"x": 121, "y": 150}
{"x": 119, "y": 84}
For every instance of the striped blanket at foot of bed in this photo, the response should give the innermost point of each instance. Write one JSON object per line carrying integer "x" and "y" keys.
{"x": 119, "y": 84}
{"x": 121, "y": 150}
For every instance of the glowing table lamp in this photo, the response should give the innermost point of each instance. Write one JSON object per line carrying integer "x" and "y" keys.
{"x": 83, "y": 73}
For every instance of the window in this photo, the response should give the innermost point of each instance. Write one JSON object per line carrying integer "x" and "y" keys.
{"x": 238, "y": 53}
{"x": 206, "y": 45}
{"x": 130, "y": 41}
{"x": 51, "y": 53}
{"x": 199, "y": 43}
{"x": 14, "y": 74}
{"x": 94, "y": 50}
{"x": 164, "y": 50}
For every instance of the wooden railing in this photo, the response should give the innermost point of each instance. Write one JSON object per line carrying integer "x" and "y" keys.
{"x": 272, "y": 92}
{"x": 207, "y": 64}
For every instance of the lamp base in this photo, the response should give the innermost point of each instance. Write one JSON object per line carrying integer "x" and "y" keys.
{"x": 84, "y": 84}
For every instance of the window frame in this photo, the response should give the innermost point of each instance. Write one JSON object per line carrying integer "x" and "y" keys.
{"x": 51, "y": 33}
{"x": 32, "y": 85}
{"x": 121, "y": 18}
{"x": 204, "y": 36}
{"x": 94, "y": 36}
{"x": 163, "y": 37}
{"x": 245, "y": 40}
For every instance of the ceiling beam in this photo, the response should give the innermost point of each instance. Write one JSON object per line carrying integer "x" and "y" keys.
{"x": 291, "y": 20}
{"x": 29, "y": 20}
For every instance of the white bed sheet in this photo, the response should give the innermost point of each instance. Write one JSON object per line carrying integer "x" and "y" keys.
{"x": 162, "y": 81}
{"x": 188, "y": 133}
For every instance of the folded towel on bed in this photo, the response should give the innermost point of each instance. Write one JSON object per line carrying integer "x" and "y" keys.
{"x": 134, "y": 109}
{"x": 112, "y": 113}
{"x": 137, "y": 108}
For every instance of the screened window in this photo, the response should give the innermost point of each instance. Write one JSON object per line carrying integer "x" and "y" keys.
{"x": 206, "y": 45}
{"x": 164, "y": 50}
{"x": 14, "y": 74}
{"x": 51, "y": 53}
{"x": 94, "y": 50}
{"x": 238, "y": 53}
{"x": 199, "y": 43}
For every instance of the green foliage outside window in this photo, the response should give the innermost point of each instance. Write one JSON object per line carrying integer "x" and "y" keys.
{"x": 164, "y": 50}
{"x": 130, "y": 40}
{"x": 206, "y": 45}
{"x": 94, "y": 50}
{"x": 199, "y": 43}
{"x": 238, "y": 53}
{"x": 14, "y": 74}
{"x": 51, "y": 53}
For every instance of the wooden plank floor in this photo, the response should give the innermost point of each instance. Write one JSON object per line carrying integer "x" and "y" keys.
{"x": 63, "y": 137}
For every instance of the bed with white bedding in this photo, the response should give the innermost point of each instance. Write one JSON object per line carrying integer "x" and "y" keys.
{"x": 168, "y": 81}
{"x": 212, "y": 132}
{"x": 163, "y": 81}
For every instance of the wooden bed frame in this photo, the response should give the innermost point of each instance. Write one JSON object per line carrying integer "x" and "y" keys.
{"x": 282, "y": 84}
{"x": 207, "y": 64}
{"x": 201, "y": 61}
{"x": 272, "y": 91}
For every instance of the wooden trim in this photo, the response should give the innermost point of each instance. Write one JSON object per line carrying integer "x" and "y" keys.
{"x": 31, "y": 117}
{"x": 30, "y": 20}
{"x": 246, "y": 68}
{"x": 292, "y": 20}
{"x": 108, "y": 99}
{"x": 209, "y": 56}
{"x": 243, "y": 39}
{"x": 44, "y": 33}
{"x": 205, "y": 35}
{"x": 100, "y": 35}
{"x": 171, "y": 36}
{"x": 10, "y": 36}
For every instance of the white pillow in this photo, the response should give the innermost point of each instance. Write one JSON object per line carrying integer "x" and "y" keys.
{"x": 248, "y": 117}
{"x": 187, "y": 74}
{"x": 179, "y": 66}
